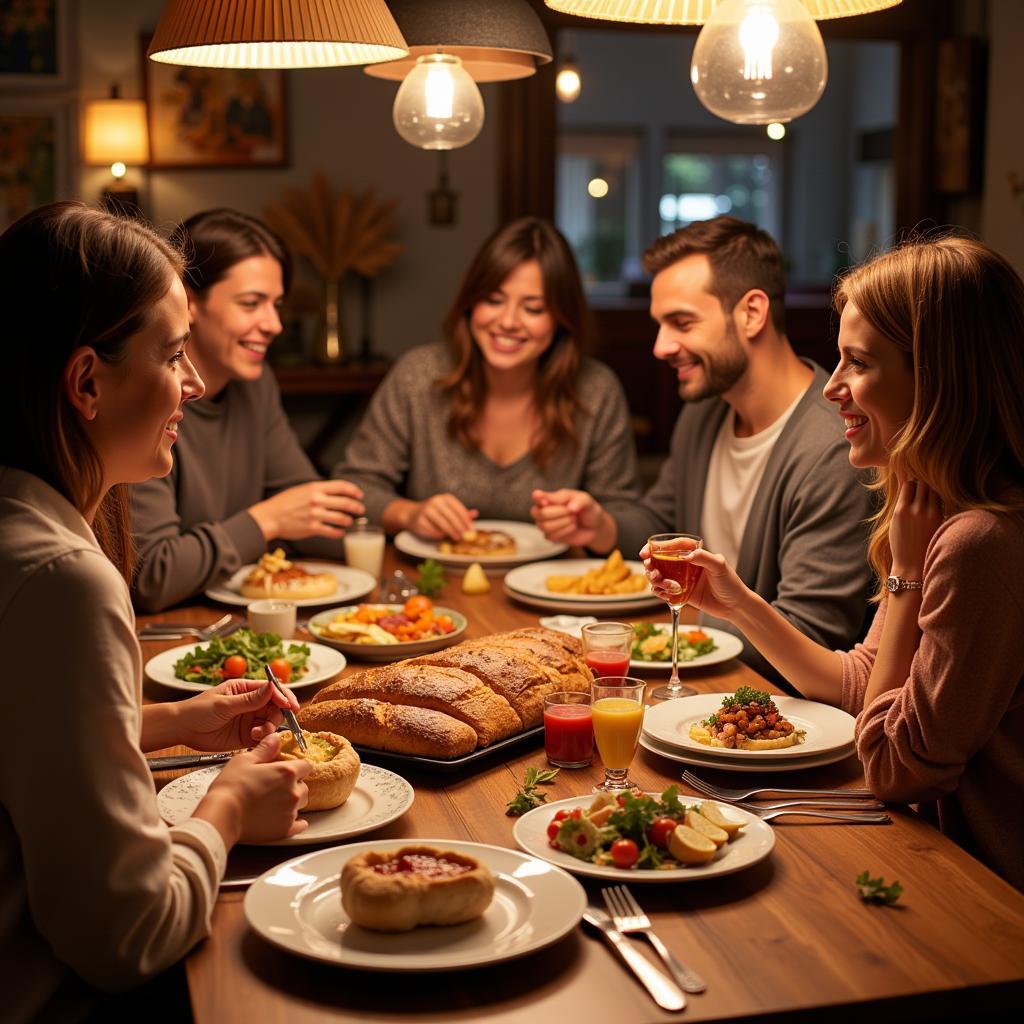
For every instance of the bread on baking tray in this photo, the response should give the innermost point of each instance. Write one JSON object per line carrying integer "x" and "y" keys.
{"x": 454, "y": 701}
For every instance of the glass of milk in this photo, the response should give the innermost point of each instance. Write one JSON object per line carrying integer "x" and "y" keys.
{"x": 364, "y": 547}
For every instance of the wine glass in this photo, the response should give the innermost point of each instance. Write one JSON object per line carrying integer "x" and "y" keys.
{"x": 617, "y": 711}
{"x": 668, "y": 553}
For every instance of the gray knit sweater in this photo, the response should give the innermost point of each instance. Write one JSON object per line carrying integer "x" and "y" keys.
{"x": 402, "y": 448}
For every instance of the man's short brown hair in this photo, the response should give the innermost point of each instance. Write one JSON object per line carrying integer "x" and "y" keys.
{"x": 742, "y": 257}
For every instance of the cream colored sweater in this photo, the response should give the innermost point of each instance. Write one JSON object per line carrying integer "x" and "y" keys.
{"x": 953, "y": 734}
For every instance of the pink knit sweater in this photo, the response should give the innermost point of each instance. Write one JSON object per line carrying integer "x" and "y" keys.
{"x": 953, "y": 734}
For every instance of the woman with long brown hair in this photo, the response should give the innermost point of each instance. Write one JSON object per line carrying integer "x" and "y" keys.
{"x": 91, "y": 881}
{"x": 506, "y": 404}
{"x": 241, "y": 480}
{"x": 929, "y": 384}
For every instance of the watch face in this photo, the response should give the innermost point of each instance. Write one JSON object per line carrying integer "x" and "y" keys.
{"x": 892, "y": 584}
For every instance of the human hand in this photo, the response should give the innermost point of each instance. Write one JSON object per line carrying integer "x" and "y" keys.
{"x": 263, "y": 794}
{"x": 233, "y": 714}
{"x": 441, "y": 515}
{"x": 917, "y": 516}
{"x": 718, "y": 591}
{"x": 321, "y": 508}
{"x": 572, "y": 517}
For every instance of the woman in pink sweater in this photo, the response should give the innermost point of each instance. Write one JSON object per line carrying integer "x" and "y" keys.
{"x": 929, "y": 383}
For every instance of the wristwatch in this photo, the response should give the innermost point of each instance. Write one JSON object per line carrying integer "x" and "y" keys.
{"x": 894, "y": 584}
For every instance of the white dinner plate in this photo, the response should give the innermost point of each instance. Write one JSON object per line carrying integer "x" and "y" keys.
{"x": 531, "y": 545}
{"x": 378, "y": 799}
{"x": 727, "y": 645}
{"x": 753, "y": 844}
{"x": 527, "y": 584}
{"x": 353, "y": 584}
{"x": 324, "y": 663}
{"x": 297, "y": 906}
{"x": 387, "y": 652}
{"x": 827, "y": 728}
{"x": 795, "y": 764}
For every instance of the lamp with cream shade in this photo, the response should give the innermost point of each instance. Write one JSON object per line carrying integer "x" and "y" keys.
{"x": 115, "y": 135}
{"x": 273, "y": 34}
{"x": 697, "y": 12}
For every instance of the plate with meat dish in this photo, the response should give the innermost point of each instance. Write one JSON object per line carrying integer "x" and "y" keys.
{"x": 494, "y": 543}
{"x": 749, "y": 725}
{"x": 779, "y": 764}
{"x": 306, "y": 584}
{"x": 297, "y": 906}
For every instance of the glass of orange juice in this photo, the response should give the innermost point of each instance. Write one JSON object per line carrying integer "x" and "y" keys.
{"x": 617, "y": 708}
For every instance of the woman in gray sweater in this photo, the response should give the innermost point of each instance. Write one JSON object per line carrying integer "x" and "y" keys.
{"x": 506, "y": 404}
{"x": 241, "y": 479}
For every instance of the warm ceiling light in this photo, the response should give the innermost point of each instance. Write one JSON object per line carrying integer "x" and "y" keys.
{"x": 568, "y": 81}
{"x": 496, "y": 40}
{"x": 271, "y": 34}
{"x": 697, "y": 12}
{"x": 776, "y": 131}
{"x": 114, "y": 131}
{"x": 438, "y": 106}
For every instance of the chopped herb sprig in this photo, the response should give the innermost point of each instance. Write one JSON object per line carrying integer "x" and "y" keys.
{"x": 529, "y": 797}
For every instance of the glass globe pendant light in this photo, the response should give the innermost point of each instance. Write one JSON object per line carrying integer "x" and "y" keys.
{"x": 438, "y": 105}
{"x": 758, "y": 61}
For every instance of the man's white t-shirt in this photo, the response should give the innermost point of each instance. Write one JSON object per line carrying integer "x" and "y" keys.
{"x": 734, "y": 474}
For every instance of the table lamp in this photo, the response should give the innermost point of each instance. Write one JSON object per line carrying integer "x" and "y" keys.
{"x": 115, "y": 135}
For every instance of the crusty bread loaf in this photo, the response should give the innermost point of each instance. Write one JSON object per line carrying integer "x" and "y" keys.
{"x": 404, "y": 730}
{"x": 485, "y": 690}
{"x": 459, "y": 694}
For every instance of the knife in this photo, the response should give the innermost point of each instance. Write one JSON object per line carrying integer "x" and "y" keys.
{"x": 176, "y": 761}
{"x": 665, "y": 992}
{"x": 286, "y": 713}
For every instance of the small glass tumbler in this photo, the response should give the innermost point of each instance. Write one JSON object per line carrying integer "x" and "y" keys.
{"x": 568, "y": 729}
{"x": 607, "y": 647}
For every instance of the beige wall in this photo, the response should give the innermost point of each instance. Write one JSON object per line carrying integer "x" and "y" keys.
{"x": 341, "y": 123}
{"x": 1002, "y": 214}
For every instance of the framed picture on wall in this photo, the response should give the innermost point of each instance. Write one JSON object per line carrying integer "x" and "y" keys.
{"x": 214, "y": 117}
{"x": 34, "y": 155}
{"x": 35, "y": 43}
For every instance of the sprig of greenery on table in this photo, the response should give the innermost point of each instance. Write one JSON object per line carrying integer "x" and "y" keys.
{"x": 431, "y": 578}
{"x": 529, "y": 797}
{"x": 204, "y": 663}
{"x": 874, "y": 890}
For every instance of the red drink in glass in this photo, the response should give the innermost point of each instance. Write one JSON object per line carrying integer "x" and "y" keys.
{"x": 607, "y": 663}
{"x": 675, "y": 567}
{"x": 569, "y": 734}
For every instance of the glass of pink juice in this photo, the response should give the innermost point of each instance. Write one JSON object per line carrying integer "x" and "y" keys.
{"x": 606, "y": 648}
{"x": 568, "y": 729}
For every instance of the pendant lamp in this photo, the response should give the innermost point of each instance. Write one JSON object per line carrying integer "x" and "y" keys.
{"x": 271, "y": 34}
{"x": 697, "y": 12}
{"x": 496, "y": 40}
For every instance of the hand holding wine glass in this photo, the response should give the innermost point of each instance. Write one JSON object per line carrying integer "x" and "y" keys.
{"x": 669, "y": 554}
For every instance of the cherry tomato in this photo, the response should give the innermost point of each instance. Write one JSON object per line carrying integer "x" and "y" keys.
{"x": 624, "y": 853}
{"x": 660, "y": 830}
{"x": 282, "y": 669}
{"x": 417, "y": 606}
{"x": 234, "y": 667}
{"x": 553, "y": 829}
{"x": 577, "y": 813}
{"x": 560, "y": 815}
{"x": 620, "y": 800}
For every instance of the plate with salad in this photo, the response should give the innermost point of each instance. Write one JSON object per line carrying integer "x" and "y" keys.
{"x": 645, "y": 837}
{"x": 242, "y": 655}
{"x": 698, "y": 646}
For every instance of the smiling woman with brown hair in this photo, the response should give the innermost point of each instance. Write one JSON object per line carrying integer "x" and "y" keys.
{"x": 506, "y": 404}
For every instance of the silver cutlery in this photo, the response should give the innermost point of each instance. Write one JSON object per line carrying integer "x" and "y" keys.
{"x": 846, "y": 805}
{"x": 725, "y": 793}
{"x": 286, "y": 713}
{"x": 179, "y": 630}
{"x": 662, "y": 989}
{"x": 629, "y": 917}
{"x": 866, "y": 818}
{"x": 237, "y": 883}
{"x": 175, "y": 761}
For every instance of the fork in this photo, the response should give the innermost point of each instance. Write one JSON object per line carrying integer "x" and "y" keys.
{"x": 629, "y": 916}
{"x": 867, "y": 818}
{"x": 169, "y": 631}
{"x": 727, "y": 794}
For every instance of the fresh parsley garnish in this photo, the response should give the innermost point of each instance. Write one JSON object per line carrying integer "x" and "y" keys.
{"x": 528, "y": 797}
{"x": 431, "y": 578}
{"x": 874, "y": 890}
{"x": 747, "y": 695}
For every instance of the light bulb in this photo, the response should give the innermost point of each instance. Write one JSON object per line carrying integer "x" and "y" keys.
{"x": 759, "y": 61}
{"x": 568, "y": 82}
{"x": 597, "y": 187}
{"x": 438, "y": 105}
{"x": 776, "y": 131}
{"x": 118, "y": 169}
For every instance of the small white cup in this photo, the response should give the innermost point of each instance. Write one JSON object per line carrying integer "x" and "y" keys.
{"x": 272, "y": 616}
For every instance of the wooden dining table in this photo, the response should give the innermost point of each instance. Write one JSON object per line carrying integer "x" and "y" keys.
{"x": 787, "y": 939}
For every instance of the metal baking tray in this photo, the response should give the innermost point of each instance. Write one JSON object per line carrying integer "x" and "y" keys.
{"x": 455, "y": 764}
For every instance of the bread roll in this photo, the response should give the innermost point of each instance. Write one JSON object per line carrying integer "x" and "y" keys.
{"x": 405, "y": 730}
{"x": 459, "y": 694}
{"x": 335, "y": 767}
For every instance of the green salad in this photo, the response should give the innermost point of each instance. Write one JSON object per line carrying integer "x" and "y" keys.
{"x": 242, "y": 655}
{"x": 652, "y": 643}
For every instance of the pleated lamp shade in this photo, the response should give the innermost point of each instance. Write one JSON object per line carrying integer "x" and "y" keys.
{"x": 697, "y": 12}
{"x": 272, "y": 34}
{"x": 496, "y": 40}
